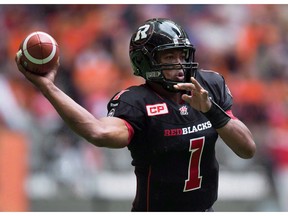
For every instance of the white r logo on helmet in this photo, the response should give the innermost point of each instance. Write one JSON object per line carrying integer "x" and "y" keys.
{"x": 142, "y": 32}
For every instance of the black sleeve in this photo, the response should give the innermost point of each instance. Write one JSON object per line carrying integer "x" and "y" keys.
{"x": 218, "y": 90}
{"x": 125, "y": 105}
{"x": 127, "y": 112}
{"x": 226, "y": 99}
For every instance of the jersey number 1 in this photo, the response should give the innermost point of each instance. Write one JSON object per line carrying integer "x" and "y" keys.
{"x": 194, "y": 179}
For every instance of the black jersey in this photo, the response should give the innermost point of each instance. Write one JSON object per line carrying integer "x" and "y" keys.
{"x": 173, "y": 147}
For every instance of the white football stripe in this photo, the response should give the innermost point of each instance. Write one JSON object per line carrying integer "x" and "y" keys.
{"x": 19, "y": 54}
{"x": 35, "y": 60}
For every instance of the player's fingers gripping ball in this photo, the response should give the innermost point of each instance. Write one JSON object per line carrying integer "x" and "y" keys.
{"x": 38, "y": 53}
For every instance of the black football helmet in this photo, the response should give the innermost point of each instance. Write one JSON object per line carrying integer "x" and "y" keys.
{"x": 156, "y": 35}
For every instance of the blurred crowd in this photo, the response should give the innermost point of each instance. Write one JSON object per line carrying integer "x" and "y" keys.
{"x": 247, "y": 44}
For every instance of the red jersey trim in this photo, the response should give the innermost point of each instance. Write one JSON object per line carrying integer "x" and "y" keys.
{"x": 229, "y": 113}
{"x": 148, "y": 190}
{"x": 130, "y": 131}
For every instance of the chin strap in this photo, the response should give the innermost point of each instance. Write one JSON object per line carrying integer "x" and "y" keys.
{"x": 169, "y": 85}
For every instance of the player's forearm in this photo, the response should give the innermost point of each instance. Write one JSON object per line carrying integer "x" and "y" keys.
{"x": 238, "y": 137}
{"x": 76, "y": 117}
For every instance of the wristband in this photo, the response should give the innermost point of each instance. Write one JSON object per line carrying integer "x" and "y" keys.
{"x": 217, "y": 116}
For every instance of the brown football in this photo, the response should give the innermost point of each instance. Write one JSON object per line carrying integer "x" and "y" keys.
{"x": 38, "y": 53}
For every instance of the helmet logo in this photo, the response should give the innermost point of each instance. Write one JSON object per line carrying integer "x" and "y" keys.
{"x": 153, "y": 74}
{"x": 142, "y": 32}
{"x": 175, "y": 40}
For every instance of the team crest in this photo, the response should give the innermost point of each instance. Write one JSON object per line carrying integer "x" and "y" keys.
{"x": 183, "y": 110}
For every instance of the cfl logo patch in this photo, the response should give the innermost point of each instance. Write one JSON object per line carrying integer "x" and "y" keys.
{"x": 157, "y": 109}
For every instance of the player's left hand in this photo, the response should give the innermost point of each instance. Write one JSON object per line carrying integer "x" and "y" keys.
{"x": 198, "y": 99}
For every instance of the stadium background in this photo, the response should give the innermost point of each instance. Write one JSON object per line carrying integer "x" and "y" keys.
{"x": 46, "y": 167}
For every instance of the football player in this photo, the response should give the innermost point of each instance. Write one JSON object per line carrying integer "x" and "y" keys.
{"x": 170, "y": 124}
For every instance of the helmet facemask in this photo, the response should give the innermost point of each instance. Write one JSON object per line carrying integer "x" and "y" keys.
{"x": 188, "y": 67}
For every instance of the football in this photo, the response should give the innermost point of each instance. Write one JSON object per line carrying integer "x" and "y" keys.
{"x": 38, "y": 53}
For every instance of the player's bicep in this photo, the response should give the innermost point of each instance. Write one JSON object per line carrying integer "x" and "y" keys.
{"x": 114, "y": 133}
